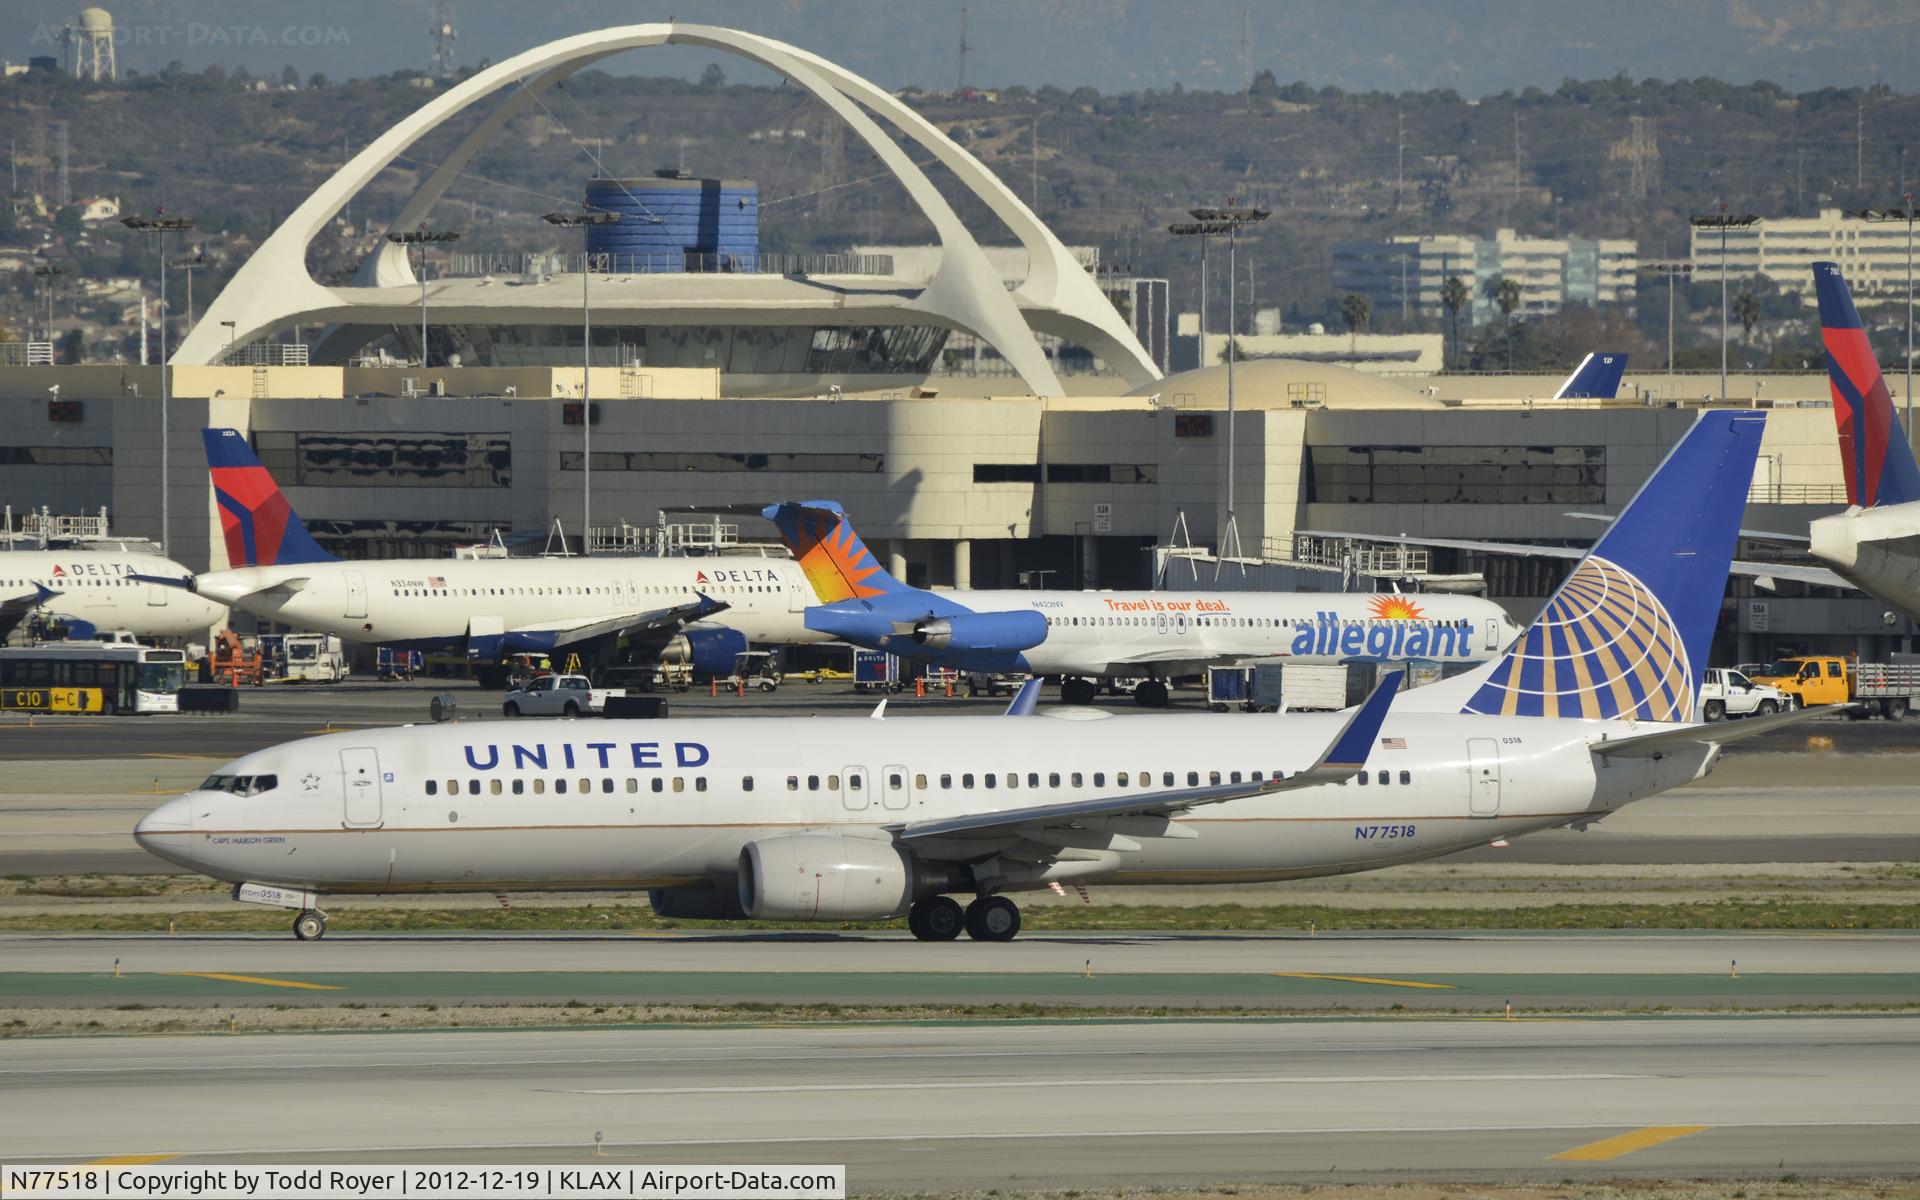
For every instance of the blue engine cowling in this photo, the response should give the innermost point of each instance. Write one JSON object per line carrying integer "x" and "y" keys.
{"x": 983, "y": 633}
{"x": 712, "y": 651}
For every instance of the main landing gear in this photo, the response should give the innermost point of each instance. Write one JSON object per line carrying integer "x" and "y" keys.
{"x": 988, "y": 919}
{"x": 310, "y": 925}
{"x": 1150, "y": 693}
{"x": 1078, "y": 691}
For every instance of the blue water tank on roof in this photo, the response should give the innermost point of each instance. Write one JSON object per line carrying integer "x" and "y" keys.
{"x": 676, "y": 224}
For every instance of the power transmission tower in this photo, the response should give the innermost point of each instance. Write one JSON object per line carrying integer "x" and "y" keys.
{"x": 1643, "y": 158}
{"x": 960, "y": 80}
{"x": 37, "y": 154}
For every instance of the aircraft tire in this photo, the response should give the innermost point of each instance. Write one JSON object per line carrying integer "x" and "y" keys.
{"x": 1150, "y": 693}
{"x": 993, "y": 919}
{"x": 1077, "y": 691}
{"x": 310, "y": 925}
{"x": 936, "y": 919}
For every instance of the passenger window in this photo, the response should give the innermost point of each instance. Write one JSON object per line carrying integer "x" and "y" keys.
{"x": 1361, "y": 778}
{"x": 606, "y": 787}
{"x": 586, "y": 787}
{"x": 633, "y": 785}
{"x": 559, "y": 787}
{"x": 679, "y": 783}
{"x": 473, "y": 787}
{"x": 966, "y": 780}
{"x": 1078, "y": 779}
{"x": 1213, "y": 777}
{"x": 1385, "y": 777}
{"x": 699, "y": 783}
{"x": 1053, "y": 779}
{"x": 433, "y": 787}
{"x": 853, "y": 783}
{"x": 793, "y": 783}
{"x": 746, "y": 783}
{"x": 1166, "y": 779}
{"x": 813, "y": 783}
{"x": 1406, "y": 777}
{"x": 1013, "y": 779}
{"x": 990, "y": 779}
{"x": 1033, "y": 779}
{"x": 539, "y": 787}
{"x": 659, "y": 784}
{"x": 1099, "y": 779}
{"x": 1193, "y": 779}
{"x": 1234, "y": 778}
{"x": 920, "y": 783}
{"x": 833, "y": 783}
{"x": 946, "y": 781}
{"x": 896, "y": 780}
{"x": 519, "y": 787}
{"x": 493, "y": 785}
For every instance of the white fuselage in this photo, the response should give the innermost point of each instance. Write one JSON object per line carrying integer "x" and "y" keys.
{"x": 1876, "y": 550}
{"x": 427, "y": 600}
{"x": 632, "y": 804}
{"x": 100, "y": 587}
{"x": 1121, "y": 633}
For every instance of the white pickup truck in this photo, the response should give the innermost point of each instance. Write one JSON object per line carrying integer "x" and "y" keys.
{"x": 1726, "y": 693}
{"x": 558, "y": 696}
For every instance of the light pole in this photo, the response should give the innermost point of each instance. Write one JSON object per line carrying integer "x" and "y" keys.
{"x": 49, "y": 273}
{"x": 1672, "y": 269}
{"x": 1201, "y": 230}
{"x": 1908, "y": 214}
{"x": 421, "y": 237}
{"x": 1723, "y": 221}
{"x": 585, "y": 221}
{"x": 1233, "y": 218}
{"x": 160, "y": 225}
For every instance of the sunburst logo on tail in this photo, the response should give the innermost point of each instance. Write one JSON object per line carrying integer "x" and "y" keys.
{"x": 1396, "y": 608}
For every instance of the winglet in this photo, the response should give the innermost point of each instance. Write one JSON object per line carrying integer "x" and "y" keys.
{"x": 1026, "y": 700}
{"x": 1349, "y": 751}
{"x": 879, "y": 712}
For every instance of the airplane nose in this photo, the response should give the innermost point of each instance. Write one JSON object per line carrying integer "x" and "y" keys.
{"x": 167, "y": 831}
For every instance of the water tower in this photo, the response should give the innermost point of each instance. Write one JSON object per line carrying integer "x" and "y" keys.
{"x": 89, "y": 47}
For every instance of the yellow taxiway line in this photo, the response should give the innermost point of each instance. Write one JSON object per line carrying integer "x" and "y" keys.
{"x": 1627, "y": 1143}
{"x": 1405, "y": 983}
{"x": 262, "y": 981}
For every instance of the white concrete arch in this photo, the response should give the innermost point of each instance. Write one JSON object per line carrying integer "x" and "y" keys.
{"x": 273, "y": 289}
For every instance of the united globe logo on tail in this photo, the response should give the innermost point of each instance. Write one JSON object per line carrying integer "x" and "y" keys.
{"x": 1603, "y": 648}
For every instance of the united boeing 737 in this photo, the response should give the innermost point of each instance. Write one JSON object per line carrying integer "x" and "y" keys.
{"x": 838, "y": 819}
{"x": 1083, "y": 636}
{"x": 716, "y": 606}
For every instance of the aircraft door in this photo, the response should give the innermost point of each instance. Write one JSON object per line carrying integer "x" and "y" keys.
{"x": 1180, "y": 623}
{"x": 799, "y": 591}
{"x": 1483, "y": 777}
{"x": 894, "y": 794}
{"x": 1160, "y": 623}
{"x": 853, "y": 789}
{"x": 1493, "y": 634}
{"x": 157, "y": 595}
{"x": 360, "y": 776}
{"x": 356, "y": 594}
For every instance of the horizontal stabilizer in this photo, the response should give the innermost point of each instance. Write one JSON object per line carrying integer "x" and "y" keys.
{"x": 1671, "y": 741}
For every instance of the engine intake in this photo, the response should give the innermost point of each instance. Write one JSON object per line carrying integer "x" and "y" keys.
{"x": 825, "y": 877}
{"x": 986, "y": 633}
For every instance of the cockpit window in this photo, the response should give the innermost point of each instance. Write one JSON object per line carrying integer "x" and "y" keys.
{"x": 241, "y": 785}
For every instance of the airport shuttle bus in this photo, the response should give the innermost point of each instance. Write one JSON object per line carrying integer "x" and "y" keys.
{"x": 93, "y": 677}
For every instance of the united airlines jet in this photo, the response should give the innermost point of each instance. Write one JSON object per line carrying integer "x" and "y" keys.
{"x": 490, "y": 607}
{"x": 1083, "y": 636}
{"x": 851, "y": 818}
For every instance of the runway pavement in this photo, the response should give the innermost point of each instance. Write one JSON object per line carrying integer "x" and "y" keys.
{"x": 1477, "y": 972}
{"x": 1006, "y": 1105}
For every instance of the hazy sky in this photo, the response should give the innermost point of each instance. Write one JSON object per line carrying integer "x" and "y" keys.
{"x": 1474, "y": 46}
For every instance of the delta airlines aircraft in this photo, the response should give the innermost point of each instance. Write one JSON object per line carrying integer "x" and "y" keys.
{"x": 838, "y": 819}
{"x": 94, "y": 590}
{"x": 1875, "y": 544}
{"x": 1082, "y": 636}
{"x": 1596, "y": 378}
{"x": 490, "y": 606}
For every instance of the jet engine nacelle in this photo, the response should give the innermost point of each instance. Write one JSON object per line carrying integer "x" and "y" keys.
{"x": 707, "y": 651}
{"x": 983, "y": 633}
{"x": 824, "y": 877}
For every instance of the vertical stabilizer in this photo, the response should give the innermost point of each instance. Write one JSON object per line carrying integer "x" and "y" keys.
{"x": 261, "y": 528}
{"x": 836, "y": 562}
{"x": 1874, "y": 452}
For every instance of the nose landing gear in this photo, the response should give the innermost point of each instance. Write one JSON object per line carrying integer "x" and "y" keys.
{"x": 310, "y": 925}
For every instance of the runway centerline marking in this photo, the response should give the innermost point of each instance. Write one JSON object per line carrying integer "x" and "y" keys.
{"x": 132, "y": 1160}
{"x": 1405, "y": 983}
{"x": 1627, "y": 1143}
{"x": 262, "y": 981}
{"x": 1147, "y": 1081}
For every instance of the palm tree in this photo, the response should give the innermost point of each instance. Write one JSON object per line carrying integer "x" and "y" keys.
{"x": 1505, "y": 293}
{"x": 1356, "y": 310}
{"x": 1454, "y": 295}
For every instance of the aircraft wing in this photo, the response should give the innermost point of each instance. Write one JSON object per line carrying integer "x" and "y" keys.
{"x": 1343, "y": 758}
{"x": 14, "y": 608}
{"x": 1752, "y": 535}
{"x": 663, "y": 622}
{"x": 1668, "y": 741}
{"x": 1763, "y": 573}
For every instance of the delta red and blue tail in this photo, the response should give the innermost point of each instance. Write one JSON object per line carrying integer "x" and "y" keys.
{"x": 261, "y": 528}
{"x": 1596, "y": 378}
{"x": 1874, "y": 453}
{"x": 836, "y": 562}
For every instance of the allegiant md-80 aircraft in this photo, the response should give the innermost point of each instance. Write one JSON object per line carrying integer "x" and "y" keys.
{"x": 1084, "y": 636}
{"x": 490, "y": 606}
{"x": 851, "y": 818}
